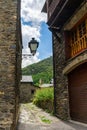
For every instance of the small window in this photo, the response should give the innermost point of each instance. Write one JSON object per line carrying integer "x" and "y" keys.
{"x": 32, "y": 91}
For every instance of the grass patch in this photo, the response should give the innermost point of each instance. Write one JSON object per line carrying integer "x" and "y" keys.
{"x": 45, "y": 120}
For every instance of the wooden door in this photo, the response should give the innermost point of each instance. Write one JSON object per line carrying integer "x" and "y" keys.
{"x": 78, "y": 93}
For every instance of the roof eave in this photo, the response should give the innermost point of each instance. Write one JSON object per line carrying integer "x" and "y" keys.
{"x": 44, "y": 9}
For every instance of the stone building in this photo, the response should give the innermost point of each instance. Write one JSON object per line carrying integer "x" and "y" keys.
{"x": 27, "y": 89}
{"x": 67, "y": 20}
{"x": 10, "y": 63}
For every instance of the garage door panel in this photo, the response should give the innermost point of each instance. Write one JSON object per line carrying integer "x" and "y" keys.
{"x": 78, "y": 93}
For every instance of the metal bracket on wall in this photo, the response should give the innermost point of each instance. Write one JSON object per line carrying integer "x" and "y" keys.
{"x": 56, "y": 33}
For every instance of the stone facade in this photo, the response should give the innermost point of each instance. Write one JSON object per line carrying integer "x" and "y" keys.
{"x": 10, "y": 63}
{"x": 26, "y": 92}
{"x": 61, "y": 106}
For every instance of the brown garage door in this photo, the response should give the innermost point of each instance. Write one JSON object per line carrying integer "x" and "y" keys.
{"x": 78, "y": 93}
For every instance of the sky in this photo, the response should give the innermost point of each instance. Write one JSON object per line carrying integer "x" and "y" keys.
{"x": 34, "y": 25}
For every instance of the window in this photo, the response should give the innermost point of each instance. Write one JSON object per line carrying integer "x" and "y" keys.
{"x": 32, "y": 91}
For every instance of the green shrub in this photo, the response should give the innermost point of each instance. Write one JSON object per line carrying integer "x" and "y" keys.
{"x": 44, "y": 98}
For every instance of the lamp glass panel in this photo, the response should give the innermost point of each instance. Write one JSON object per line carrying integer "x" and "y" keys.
{"x": 33, "y": 47}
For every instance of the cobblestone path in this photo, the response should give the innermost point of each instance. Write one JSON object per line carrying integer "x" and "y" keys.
{"x": 34, "y": 118}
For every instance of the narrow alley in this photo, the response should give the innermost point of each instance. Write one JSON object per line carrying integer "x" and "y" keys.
{"x": 34, "y": 118}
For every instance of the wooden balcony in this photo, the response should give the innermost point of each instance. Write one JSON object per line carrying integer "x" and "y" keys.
{"x": 76, "y": 40}
{"x": 79, "y": 46}
{"x": 79, "y": 39}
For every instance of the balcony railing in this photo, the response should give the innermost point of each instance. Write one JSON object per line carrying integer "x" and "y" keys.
{"x": 79, "y": 46}
{"x": 78, "y": 39}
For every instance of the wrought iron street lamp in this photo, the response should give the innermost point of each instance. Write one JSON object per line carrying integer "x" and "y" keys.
{"x": 33, "y": 45}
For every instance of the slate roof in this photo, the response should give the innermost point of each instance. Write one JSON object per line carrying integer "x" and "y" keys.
{"x": 27, "y": 79}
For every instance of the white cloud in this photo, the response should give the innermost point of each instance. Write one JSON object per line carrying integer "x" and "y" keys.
{"x": 28, "y": 58}
{"x": 31, "y": 25}
{"x": 28, "y": 32}
{"x": 31, "y": 10}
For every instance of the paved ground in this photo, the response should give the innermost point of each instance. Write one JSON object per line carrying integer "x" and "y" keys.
{"x": 33, "y": 118}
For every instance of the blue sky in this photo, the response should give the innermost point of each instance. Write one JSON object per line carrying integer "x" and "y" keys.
{"x": 45, "y": 46}
{"x": 34, "y": 25}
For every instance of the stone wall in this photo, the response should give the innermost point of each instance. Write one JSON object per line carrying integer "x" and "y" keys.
{"x": 62, "y": 66}
{"x": 10, "y": 60}
{"x": 61, "y": 105}
{"x": 26, "y": 92}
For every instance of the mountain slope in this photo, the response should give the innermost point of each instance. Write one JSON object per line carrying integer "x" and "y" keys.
{"x": 41, "y": 71}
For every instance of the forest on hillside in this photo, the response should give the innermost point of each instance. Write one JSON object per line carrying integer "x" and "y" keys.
{"x": 41, "y": 71}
